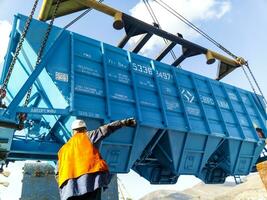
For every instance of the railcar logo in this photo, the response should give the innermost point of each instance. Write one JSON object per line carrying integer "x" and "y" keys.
{"x": 188, "y": 95}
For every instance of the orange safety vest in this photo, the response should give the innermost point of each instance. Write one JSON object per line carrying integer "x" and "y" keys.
{"x": 78, "y": 157}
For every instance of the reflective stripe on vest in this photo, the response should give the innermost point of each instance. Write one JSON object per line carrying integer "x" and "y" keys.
{"x": 78, "y": 157}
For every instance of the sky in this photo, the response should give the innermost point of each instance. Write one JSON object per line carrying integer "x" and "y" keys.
{"x": 238, "y": 25}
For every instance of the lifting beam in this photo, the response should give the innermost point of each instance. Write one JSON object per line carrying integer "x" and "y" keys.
{"x": 135, "y": 27}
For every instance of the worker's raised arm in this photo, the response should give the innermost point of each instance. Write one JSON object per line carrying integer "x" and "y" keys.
{"x": 106, "y": 130}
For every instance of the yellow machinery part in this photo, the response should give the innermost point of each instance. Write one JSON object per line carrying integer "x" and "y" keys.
{"x": 70, "y": 6}
{"x": 262, "y": 169}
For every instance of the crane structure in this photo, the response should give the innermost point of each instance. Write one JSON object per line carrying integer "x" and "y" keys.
{"x": 187, "y": 124}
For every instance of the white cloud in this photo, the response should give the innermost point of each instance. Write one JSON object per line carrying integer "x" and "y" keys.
{"x": 194, "y": 10}
{"x": 5, "y": 28}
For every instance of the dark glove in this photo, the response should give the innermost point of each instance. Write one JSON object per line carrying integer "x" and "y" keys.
{"x": 128, "y": 122}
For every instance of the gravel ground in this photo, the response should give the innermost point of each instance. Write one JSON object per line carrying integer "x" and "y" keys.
{"x": 251, "y": 189}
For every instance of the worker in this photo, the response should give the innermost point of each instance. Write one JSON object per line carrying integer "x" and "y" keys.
{"x": 82, "y": 173}
{"x": 260, "y": 133}
{"x": 2, "y": 96}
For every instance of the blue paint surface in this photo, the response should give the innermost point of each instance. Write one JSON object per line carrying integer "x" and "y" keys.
{"x": 187, "y": 123}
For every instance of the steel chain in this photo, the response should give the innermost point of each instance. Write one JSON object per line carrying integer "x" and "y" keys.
{"x": 19, "y": 46}
{"x": 42, "y": 48}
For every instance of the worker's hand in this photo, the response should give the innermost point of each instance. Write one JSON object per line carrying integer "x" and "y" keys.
{"x": 56, "y": 177}
{"x": 128, "y": 122}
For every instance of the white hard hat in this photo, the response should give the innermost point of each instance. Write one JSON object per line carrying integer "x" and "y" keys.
{"x": 78, "y": 123}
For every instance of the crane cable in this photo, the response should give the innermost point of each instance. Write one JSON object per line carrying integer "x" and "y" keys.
{"x": 165, "y": 40}
{"x": 256, "y": 82}
{"x": 79, "y": 17}
{"x": 251, "y": 85}
{"x": 191, "y": 25}
{"x": 156, "y": 21}
{"x": 152, "y": 14}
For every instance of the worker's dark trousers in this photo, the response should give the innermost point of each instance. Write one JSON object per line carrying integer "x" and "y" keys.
{"x": 96, "y": 195}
